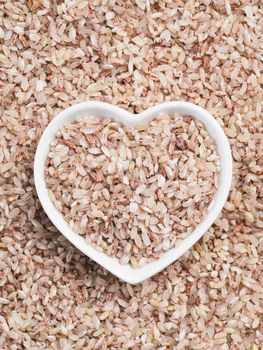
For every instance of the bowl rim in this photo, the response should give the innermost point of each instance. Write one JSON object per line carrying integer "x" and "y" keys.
{"x": 126, "y": 272}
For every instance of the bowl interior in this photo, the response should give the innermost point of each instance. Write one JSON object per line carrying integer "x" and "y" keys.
{"x": 126, "y": 272}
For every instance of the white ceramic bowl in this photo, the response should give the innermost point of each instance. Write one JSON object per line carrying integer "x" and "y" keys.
{"x": 126, "y": 272}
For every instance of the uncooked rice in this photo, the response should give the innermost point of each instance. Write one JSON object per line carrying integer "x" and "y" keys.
{"x": 55, "y": 54}
{"x": 133, "y": 192}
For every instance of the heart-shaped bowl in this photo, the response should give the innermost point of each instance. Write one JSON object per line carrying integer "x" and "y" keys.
{"x": 100, "y": 109}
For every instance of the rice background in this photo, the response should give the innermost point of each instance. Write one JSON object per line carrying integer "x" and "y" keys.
{"x": 134, "y": 54}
